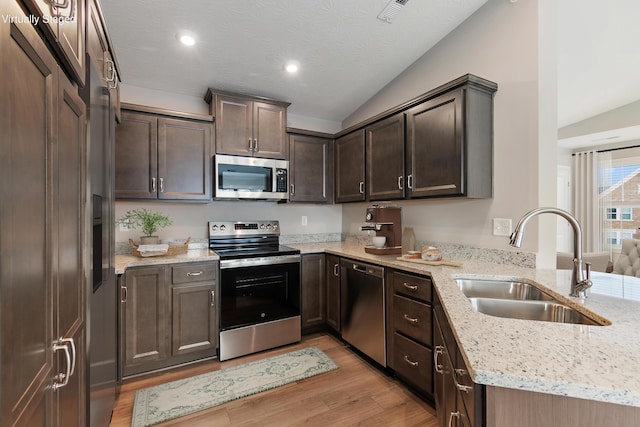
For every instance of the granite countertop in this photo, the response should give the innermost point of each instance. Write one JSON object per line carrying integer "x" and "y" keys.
{"x": 589, "y": 362}
{"x": 192, "y": 255}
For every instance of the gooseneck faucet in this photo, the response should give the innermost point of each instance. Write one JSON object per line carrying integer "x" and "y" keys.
{"x": 580, "y": 278}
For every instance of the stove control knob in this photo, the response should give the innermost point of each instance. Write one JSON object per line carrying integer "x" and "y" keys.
{"x": 275, "y": 226}
{"x": 214, "y": 227}
{"x": 261, "y": 226}
{"x": 223, "y": 227}
{"x": 268, "y": 226}
{"x": 369, "y": 216}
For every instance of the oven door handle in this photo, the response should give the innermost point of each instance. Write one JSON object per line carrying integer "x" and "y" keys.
{"x": 253, "y": 262}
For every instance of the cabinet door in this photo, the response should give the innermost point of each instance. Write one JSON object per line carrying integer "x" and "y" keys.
{"x": 269, "y": 136}
{"x": 70, "y": 301}
{"x": 28, "y": 85}
{"x": 310, "y": 169}
{"x": 333, "y": 291}
{"x": 184, "y": 159}
{"x": 194, "y": 319}
{"x": 136, "y": 156}
{"x": 146, "y": 322}
{"x": 64, "y": 27}
{"x": 435, "y": 155}
{"x": 313, "y": 290}
{"x": 234, "y": 126}
{"x": 349, "y": 167}
{"x": 385, "y": 159}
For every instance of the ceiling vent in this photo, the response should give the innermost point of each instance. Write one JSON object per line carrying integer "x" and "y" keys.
{"x": 391, "y": 10}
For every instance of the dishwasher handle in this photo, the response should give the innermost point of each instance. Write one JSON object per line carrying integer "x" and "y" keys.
{"x": 371, "y": 270}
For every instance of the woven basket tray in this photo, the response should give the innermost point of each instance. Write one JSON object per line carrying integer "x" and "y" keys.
{"x": 173, "y": 250}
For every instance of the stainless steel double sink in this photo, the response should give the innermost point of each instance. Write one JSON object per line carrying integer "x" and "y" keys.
{"x": 519, "y": 300}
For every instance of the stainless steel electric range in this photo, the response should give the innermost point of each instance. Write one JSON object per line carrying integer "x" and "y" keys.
{"x": 259, "y": 287}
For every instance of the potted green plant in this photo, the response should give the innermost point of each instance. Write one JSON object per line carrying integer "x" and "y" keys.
{"x": 146, "y": 221}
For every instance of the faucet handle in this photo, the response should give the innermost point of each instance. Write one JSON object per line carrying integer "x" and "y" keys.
{"x": 587, "y": 266}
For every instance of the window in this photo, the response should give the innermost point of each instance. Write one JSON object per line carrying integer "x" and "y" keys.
{"x": 620, "y": 213}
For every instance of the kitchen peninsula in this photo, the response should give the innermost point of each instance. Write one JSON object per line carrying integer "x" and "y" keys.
{"x": 590, "y": 365}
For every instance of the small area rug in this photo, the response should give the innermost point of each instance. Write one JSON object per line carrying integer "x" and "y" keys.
{"x": 178, "y": 398}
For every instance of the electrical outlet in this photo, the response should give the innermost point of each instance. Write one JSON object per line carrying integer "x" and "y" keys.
{"x": 123, "y": 225}
{"x": 304, "y": 220}
{"x": 501, "y": 226}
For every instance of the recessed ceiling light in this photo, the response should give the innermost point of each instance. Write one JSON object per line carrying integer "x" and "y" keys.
{"x": 291, "y": 67}
{"x": 187, "y": 39}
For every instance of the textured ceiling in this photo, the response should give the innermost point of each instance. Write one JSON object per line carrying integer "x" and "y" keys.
{"x": 346, "y": 55}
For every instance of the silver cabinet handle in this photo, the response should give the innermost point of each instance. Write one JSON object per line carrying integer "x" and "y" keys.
{"x": 72, "y": 344}
{"x": 336, "y": 270}
{"x": 409, "y": 361}
{"x": 123, "y": 294}
{"x": 409, "y": 319}
{"x": 113, "y": 77}
{"x": 213, "y": 298}
{"x": 162, "y": 185}
{"x": 410, "y": 287}
{"x": 361, "y": 187}
{"x": 293, "y": 189}
{"x": 255, "y": 145}
{"x": 461, "y": 387}
{"x": 63, "y": 5}
{"x": 62, "y": 379}
{"x": 250, "y": 145}
{"x": 410, "y": 182}
{"x": 400, "y": 186}
{"x": 153, "y": 184}
{"x": 452, "y": 415}
{"x": 437, "y": 365}
{"x": 195, "y": 273}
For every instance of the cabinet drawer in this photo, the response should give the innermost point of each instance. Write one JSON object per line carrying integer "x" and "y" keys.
{"x": 412, "y": 286}
{"x": 412, "y": 318}
{"x": 413, "y": 362}
{"x": 186, "y": 273}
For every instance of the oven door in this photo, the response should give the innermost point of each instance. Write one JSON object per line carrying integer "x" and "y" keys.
{"x": 258, "y": 290}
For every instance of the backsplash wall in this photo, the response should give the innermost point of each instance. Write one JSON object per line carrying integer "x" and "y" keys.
{"x": 324, "y": 222}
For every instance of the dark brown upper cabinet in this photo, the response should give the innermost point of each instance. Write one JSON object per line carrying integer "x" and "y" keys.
{"x": 63, "y": 25}
{"x": 385, "y": 159}
{"x": 310, "y": 169}
{"x": 249, "y": 126}
{"x": 349, "y": 167}
{"x": 160, "y": 157}
{"x": 450, "y": 145}
{"x": 439, "y": 144}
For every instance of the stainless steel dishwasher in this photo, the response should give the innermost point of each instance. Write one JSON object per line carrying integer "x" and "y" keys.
{"x": 363, "y": 307}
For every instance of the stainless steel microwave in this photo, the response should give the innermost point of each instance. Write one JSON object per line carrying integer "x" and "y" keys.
{"x": 238, "y": 177}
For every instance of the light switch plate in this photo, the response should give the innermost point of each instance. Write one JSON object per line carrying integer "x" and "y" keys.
{"x": 501, "y": 226}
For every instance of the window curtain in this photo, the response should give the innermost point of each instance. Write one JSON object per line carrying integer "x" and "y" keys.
{"x": 589, "y": 202}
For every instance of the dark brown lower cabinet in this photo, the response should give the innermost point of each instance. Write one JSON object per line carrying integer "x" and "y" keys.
{"x": 409, "y": 332}
{"x": 313, "y": 292}
{"x": 332, "y": 264}
{"x": 459, "y": 402}
{"x": 168, "y": 316}
{"x": 42, "y": 228}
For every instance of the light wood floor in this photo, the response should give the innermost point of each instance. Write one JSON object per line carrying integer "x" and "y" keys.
{"x": 354, "y": 394}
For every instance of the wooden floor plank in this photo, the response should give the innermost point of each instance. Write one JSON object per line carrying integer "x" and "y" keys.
{"x": 357, "y": 393}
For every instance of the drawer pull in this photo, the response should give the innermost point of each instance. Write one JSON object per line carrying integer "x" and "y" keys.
{"x": 412, "y": 320}
{"x": 410, "y": 362}
{"x": 195, "y": 273}
{"x": 410, "y": 287}
{"x": 437, "y": 365}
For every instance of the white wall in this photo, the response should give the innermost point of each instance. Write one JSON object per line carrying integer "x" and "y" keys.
{"x": 500, "y": 43}
{"x": 190, "y": 219}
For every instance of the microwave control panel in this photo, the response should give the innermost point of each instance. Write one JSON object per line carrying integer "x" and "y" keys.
{"x": 281, "y": 181}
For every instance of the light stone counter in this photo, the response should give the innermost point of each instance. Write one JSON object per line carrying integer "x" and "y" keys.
{"x": 589, "y": 362}
{"x": 192, "y": 255}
